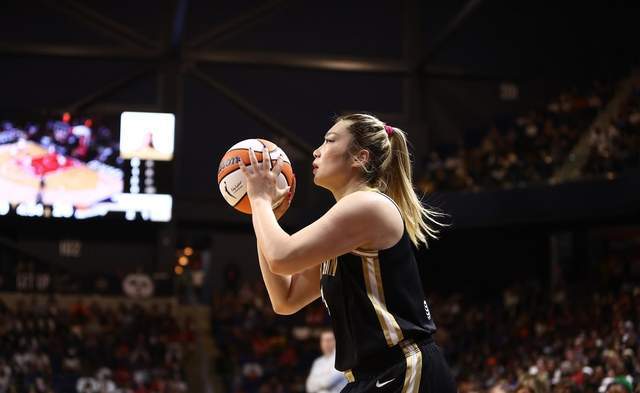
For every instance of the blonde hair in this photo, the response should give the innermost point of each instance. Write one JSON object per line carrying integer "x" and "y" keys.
{"x": 389, "y": 171}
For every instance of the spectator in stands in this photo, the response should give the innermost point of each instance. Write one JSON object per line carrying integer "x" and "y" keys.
{"x": 324, "y": 378}
{"x": 560, "y": 340}
{"x": 526, "y": 149}
{"x": 261, "y": 351}
{"x": 91, "y": 348}
{"x": 616, "y": 147}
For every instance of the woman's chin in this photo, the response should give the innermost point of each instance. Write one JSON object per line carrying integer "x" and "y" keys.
{"x": 318, "y": 182}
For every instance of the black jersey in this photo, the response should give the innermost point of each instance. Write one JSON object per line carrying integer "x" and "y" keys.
{"x": 375, "y": 300}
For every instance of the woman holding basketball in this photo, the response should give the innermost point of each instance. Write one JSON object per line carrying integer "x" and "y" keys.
{"x": 357, "y": 257}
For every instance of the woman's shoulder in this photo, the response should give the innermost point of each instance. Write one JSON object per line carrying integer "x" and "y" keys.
{"x": 355, "y": 206}
{"x": 373, "y": 197}
{"x": 376, "y": 210}
{"x": 367, "y": 206}
{"x": 368, "y": 201}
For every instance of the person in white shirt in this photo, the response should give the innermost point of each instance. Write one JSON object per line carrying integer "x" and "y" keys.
{"x": 324, "y": 378}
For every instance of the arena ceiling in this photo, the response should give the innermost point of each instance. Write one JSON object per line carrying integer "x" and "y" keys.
{"x": 283, "y": 68}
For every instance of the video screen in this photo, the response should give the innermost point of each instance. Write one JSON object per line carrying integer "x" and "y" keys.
{"x": 71, "y": 166}
{"x": 147, "y": 136}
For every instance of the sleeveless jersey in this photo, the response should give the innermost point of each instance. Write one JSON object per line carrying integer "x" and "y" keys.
{"x": 375, "y": 300}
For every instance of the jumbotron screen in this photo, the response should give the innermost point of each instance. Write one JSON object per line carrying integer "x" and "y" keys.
{"x": 83, "y": 166}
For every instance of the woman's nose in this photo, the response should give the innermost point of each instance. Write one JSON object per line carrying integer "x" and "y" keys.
{"x": 316, "y": 153}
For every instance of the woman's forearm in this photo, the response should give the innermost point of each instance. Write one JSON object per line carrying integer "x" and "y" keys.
{"x": 277, "y": 286}
{"x": 271, "y": 237}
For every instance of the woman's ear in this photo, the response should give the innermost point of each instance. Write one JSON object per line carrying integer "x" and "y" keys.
{"x": 361, "y": 159}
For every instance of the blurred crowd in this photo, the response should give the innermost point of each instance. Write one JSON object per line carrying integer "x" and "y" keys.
{"x": 520, "y": 150}
{"x": 77, "y": 138}
{"x": 529, "y": 339}
{"x": 261, "y": 352}
{"x": 617, "y": 146}
{"x": 89, "y": 348}
{"x": 533, "y": 341}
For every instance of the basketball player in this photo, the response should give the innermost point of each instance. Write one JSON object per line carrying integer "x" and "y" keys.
{"x": 357, "y": 257}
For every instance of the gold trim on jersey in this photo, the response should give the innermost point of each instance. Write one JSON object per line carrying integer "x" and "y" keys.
{"x": 330, "y": 266}
{"x": 375, "y": 292}
{"x": 365, "y": 253}
{"x": 349, "y": 375}
{"x": 413, "y": 372}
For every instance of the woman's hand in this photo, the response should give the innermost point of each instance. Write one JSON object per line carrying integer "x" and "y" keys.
{"x": 286, "y": 202}
{"x": 261, "y": 180}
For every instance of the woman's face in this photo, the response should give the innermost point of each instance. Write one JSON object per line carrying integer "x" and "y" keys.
{"x": 332, "y": 165}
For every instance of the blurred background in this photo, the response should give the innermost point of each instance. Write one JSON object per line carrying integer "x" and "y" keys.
{"x": 122, "y": 268}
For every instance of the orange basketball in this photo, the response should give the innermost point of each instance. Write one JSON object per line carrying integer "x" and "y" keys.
{"x": 231, "y": 180}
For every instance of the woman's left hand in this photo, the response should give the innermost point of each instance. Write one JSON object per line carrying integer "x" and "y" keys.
{"x": 261, "y": 180}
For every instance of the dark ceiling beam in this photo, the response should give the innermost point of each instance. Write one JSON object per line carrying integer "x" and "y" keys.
{"x": 302, "y": 61}
{"x": 333, "y": 63}
{"x": 452, "y": 26}
{"x": 235, "y": 25}
{"x": 101, "y": 23}
{"x": 253, "y": 111}
{"x": 414, "y": 88}
{"x": 179, "y": 18}
{"x": 78, "y": 51}
{"x": 272, "y": 59}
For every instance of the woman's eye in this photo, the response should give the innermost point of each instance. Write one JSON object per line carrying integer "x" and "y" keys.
{"x": 328, "y": 140}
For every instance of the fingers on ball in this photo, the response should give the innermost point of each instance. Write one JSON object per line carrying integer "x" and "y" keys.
{"x": 278, "y": 167}
{"x": 252, "y": 158}
{"x": 266, "y": 158}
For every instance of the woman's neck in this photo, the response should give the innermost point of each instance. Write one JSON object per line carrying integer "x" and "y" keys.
{"x": 352, "y": 186}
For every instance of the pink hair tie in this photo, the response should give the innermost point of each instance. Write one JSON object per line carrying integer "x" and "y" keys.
{"x": 388, "y": 129}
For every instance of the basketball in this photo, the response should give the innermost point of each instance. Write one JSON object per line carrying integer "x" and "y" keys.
{"x": 231, "y": 180}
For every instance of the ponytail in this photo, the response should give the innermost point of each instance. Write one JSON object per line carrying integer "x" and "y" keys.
{"x": 389, "y": 171}
{"x": 422, "y": 223}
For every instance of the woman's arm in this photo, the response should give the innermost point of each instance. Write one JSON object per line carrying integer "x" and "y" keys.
{"x": 290, "y": 293}
{"x": 357, "y": 219}
{"x": 354, "y": 220}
